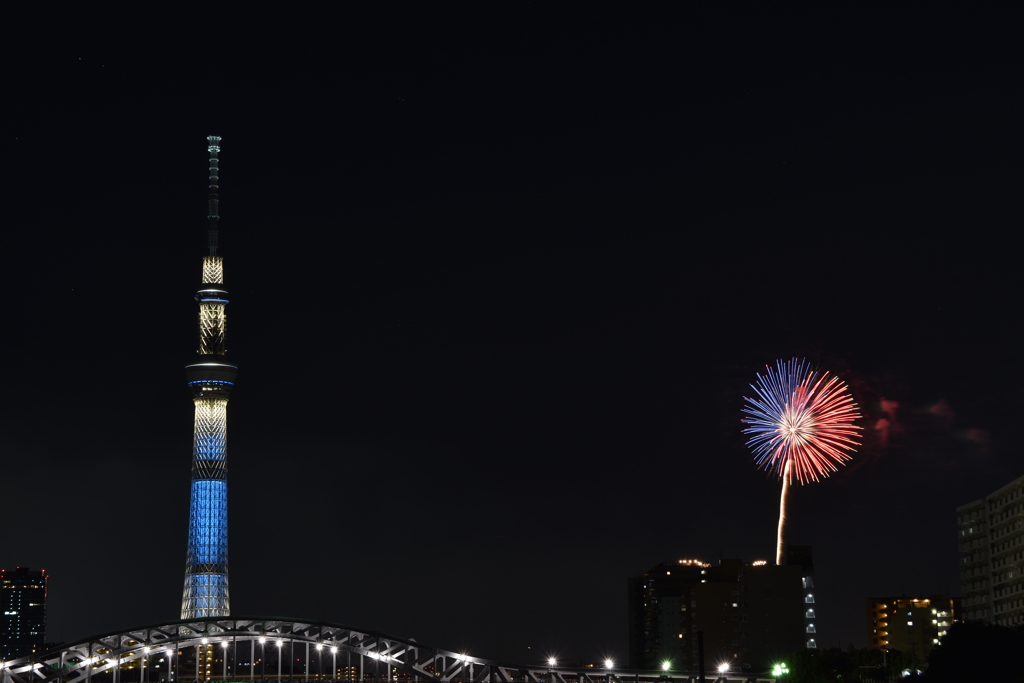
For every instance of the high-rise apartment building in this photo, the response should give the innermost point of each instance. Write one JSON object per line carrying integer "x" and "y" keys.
{"x": 23, "y": 603}
{"x": 748, "y": 612}
{"x": 991, "y": 536}
{"x": 910, "y": 625}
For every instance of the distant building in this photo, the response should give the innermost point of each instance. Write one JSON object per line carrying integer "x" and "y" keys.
{"x": 910, "y": 625}
{"x": 991, "y": 535}
{"x": 23, "y": 607}
{"x": 749, "y": 612}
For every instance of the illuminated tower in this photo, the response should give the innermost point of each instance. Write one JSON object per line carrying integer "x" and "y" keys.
{"x": 211, "y": 379}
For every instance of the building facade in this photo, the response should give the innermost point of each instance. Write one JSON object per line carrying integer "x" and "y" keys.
{"x": 991, "y": 538}
{"x": 749, "y": 613}
{"x": 211, "y": 379}
{"x": 23, "y": 607}
{"x": 910, "y": 625}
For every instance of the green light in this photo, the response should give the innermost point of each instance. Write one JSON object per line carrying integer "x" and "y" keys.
{"x": 780, "y": 669}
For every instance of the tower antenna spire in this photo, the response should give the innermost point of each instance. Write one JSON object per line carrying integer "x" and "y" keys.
{"x": 213, "y": 215}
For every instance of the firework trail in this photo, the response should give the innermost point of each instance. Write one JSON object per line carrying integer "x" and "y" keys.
{"x": 801, "y": 426}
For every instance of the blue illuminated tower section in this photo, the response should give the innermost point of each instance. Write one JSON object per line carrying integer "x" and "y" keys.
{"x": 211, "y": 379}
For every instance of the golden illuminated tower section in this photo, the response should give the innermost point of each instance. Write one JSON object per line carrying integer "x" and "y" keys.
{"x": 211, "y": 379}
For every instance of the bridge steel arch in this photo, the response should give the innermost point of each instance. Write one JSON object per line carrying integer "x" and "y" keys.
{"x": 106, "y": 656}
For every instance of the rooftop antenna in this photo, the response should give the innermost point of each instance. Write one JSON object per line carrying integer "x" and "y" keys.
{"x": 214, "y": 212}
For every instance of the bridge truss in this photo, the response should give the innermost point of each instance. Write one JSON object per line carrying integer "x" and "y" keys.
{"x": 155, "y": 654}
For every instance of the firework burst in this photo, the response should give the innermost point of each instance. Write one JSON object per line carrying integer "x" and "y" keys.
{"x": 801, "y": 426}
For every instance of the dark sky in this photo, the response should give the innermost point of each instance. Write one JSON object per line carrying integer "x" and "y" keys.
{"x": 501, "y": 275}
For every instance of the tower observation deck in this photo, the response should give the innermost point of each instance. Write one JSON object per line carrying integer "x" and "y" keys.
{"x": 210, "y": 378}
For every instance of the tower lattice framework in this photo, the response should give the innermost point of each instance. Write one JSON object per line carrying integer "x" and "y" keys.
{"x": 211, "y": 379}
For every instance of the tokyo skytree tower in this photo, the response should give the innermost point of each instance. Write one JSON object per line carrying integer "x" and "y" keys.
{"x": 211, "y": 379}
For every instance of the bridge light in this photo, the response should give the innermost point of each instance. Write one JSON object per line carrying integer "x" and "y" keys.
{"x": 319, "y": 646}
{"x": 205, "y": 641}
{"x": 225, "y": 643}
{"x": 608, "y": 664}
{"x": 665, "y": 666}
{"x": 551, "y": 661}
{"x": 262, "y": 640}
{"x": 723, "y": 668}
{"x": 280, "y": 642}
{"x": 334, "y": 650}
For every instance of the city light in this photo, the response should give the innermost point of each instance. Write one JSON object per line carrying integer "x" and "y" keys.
{"x": 696, "y": 563}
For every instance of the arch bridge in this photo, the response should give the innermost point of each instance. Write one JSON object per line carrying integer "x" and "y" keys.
{"x": 160, "y": 654}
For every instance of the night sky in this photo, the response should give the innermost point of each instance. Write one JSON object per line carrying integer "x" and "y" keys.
{"x": 501, "y": 275}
